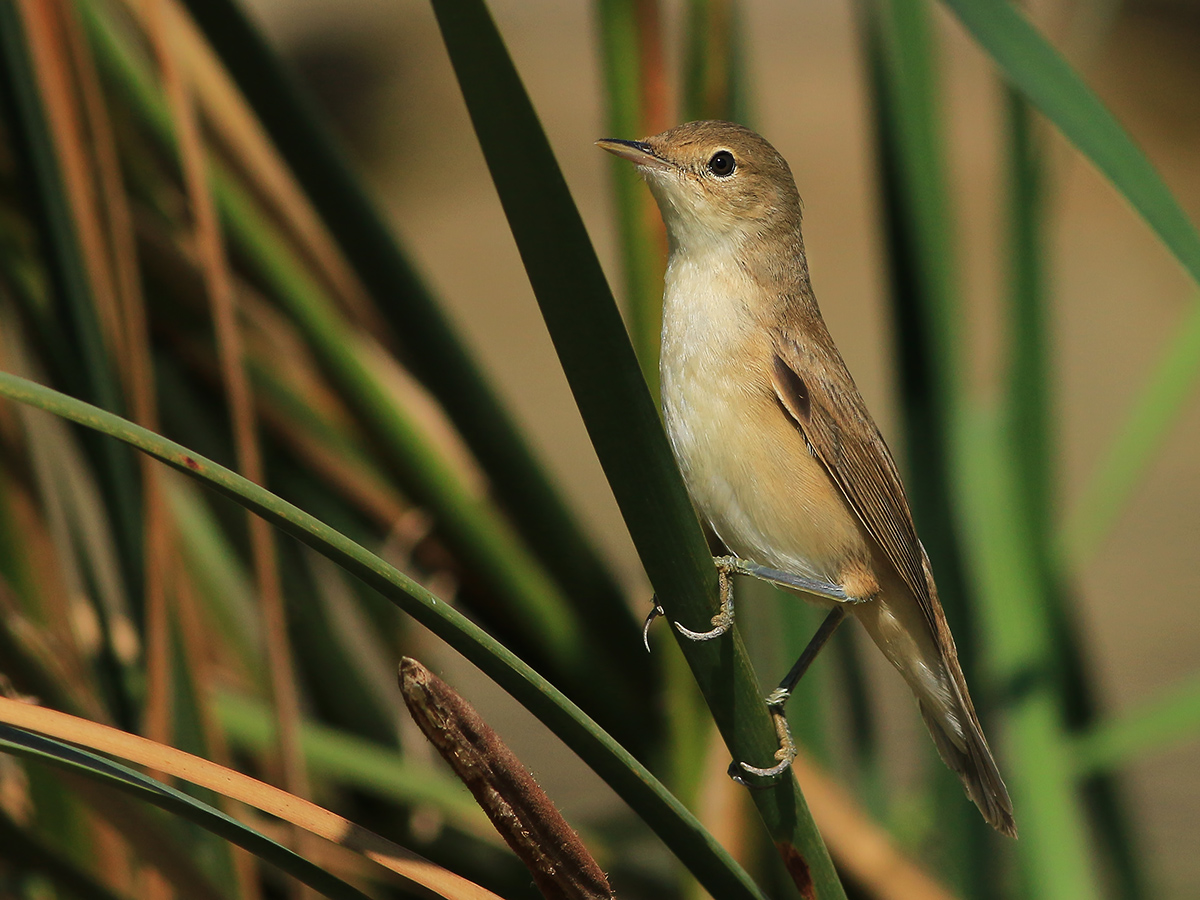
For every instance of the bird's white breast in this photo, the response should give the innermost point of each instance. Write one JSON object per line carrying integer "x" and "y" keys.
{"x": 745, "y": 465}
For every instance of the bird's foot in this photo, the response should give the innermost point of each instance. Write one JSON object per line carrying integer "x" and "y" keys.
{"x": 787, "y": 747}
{"x": 778, "y": 698}
{"x": 723, "y": 620}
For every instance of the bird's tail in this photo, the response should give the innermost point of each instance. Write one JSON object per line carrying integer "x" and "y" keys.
{"x": 930, "y": 666}
{"x": 969, "y": 756}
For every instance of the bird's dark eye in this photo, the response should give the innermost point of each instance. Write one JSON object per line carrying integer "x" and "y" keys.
{"x": 722, "y": 164}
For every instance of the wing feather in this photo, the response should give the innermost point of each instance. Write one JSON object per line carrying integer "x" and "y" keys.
{"x": 816, "y": 390}
{"x": 825, "y": 405}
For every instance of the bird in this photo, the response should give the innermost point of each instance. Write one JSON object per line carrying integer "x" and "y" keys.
{"x": 774, "y": 441}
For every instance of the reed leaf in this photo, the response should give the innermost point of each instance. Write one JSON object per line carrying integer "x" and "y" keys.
{"x": 74, "y": 337}
{"x": 1169, "y": 385}
{"x": 619, "y": 413}
{"x": 1032, "y": 66}
{"x": 1154, "y": 725}
{"x": 676, "y": 826}
{"x": 431, "y": 345}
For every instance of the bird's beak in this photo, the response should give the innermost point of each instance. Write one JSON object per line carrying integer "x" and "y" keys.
{"x": 637, "y": 152}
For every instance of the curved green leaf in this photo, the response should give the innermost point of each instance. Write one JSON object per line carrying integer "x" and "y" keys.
{"x": 1036, "y": 69}
{"x": 432, "y": 347}
{"x": 622, "y": 419}
{"x": 677, "y": 827}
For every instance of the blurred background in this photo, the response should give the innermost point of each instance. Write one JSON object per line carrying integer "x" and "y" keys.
{"x": 138, "y": 599}
{"x": 1116, "y": 294}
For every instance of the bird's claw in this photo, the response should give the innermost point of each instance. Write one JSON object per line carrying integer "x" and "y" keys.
{"x": 720, "y": 622}
{"x": 785, "y": 754}
{"x": 655, "y": 612}
{"x": 776, "y": 770}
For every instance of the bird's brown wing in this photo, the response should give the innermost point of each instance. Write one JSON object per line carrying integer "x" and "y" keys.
{"x": 814, "y": 386}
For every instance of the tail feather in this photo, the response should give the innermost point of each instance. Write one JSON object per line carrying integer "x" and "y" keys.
{"x": 975, "y": 767}
{"x": 927, "y": 658}
{"x": 965, "y": 752}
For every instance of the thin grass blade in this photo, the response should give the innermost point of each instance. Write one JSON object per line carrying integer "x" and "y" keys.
{"x": 433, "y": 349}
{"x": 1155, "y": 725}
{"x": 1037, "y": 70}
{"x": 617, "y": 409}
{"x": 633, "y": 782}
{"x": 1170, "y": 384}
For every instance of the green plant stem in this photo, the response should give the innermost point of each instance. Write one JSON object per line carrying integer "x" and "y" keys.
{"x": 1029, "y": 334}
{"x": 619, "y": 413}
{"x": 432, "y": 348}
{"x": 472, "y": 526}
{"x": 71, "y": 324}
{"x": 624, "y": 40}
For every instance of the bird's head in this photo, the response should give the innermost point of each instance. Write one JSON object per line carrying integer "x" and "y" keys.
{"x": 715, "y": 182}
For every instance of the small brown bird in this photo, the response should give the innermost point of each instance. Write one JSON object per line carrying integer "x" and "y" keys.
{"x": 774, "y": 441}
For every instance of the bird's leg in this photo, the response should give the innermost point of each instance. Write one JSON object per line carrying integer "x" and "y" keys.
{"x": 779, "y": 697}
{"x": 723, "y": 620}
{"x": 827, "y": 590}
{"x": 728, "y": 566}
